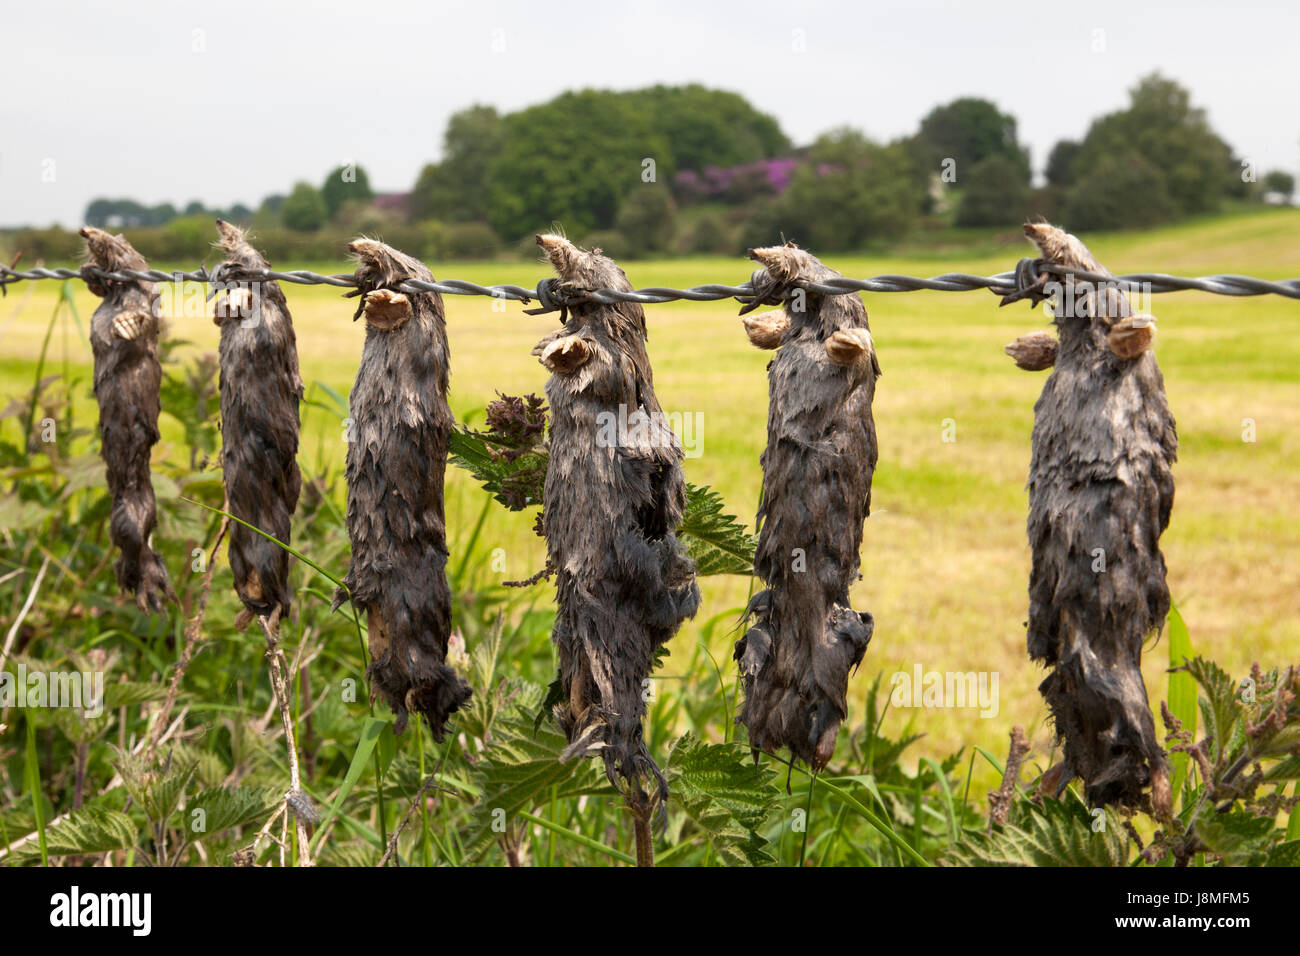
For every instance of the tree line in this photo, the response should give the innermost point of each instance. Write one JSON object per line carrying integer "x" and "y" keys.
{"x": 691, "y": 170}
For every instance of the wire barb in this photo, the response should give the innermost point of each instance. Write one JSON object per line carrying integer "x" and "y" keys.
{"x": 553, "y": 299}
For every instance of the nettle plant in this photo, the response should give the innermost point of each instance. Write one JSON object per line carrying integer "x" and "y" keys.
{"x": 1231, "y": 803}
{"x": 183, "y": 761}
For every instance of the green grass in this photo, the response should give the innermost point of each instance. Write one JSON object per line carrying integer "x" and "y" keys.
{"x": 945, "y": 561}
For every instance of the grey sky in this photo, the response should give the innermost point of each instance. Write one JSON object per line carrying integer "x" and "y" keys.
{"x": 127, "y": 100}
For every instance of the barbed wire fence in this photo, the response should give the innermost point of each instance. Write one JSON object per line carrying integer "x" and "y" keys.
{"x": 552, "y": 296}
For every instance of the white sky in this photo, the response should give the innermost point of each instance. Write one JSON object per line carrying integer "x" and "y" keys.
{"x": 117, "y": 98}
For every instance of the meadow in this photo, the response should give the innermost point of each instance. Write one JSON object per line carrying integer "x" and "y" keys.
{"x": 944, "y": 556}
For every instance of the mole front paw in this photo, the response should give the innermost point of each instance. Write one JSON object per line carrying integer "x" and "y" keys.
{"x": 386, "y": 310}
{"x": 1128, "y": 338}
{"x": 566, "y": 354}
{"x": 848, "y": 346}
{"x": 130, "y": 325}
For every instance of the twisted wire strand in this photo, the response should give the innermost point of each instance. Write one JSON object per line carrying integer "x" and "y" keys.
{"x": 553, "y": 297}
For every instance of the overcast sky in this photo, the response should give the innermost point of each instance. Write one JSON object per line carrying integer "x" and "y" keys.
{"x": 230, "y": 101}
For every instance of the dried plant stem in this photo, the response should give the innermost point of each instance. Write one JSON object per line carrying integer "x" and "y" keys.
{"x": 280, "y": 685}
{"x": 27, "y": 606}
{"x": 192, "y": 632}
{"x": 1000, "y": 800}
{"x": 410, "y": 811}
{"x": 642, "y": 814}
{"x": 18, "y": 623}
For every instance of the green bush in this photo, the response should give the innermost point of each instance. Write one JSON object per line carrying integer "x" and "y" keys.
{"x": 305, "y": 209}
{"x": 647, "y": 219}
{"x": 1119, "y": 192}
{"x": 994, "y": 193}
{"x": 470, "y": 240}
{"x": 609, "y": 241}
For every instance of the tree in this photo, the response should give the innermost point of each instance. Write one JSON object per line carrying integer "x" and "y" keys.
{"x": 1060, "y": 163}
{"x": 993, "y": 194}
{"x": 304, "y": 210}
{"x": 707, "y": 127}
{"x": 344, "y": 184}
{"x": 456, "y": 189}
{"x": 968, "y": 130}
{"x": 1279, "y": 181}
{"x": 1119, "y": 191}
{"x": 850, "y": 191}
{"x": 1174, "y": 141}
{"x": 572, "y": 160}
{"x": 647, "y": 219}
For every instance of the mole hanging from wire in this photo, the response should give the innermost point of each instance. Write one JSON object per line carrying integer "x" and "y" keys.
{"x": 124, "y": 341}
{"x": 612, "y": 502}
{"x": 397, "y": 457}
{"x": 805, "y": 639}
{"x": 1101, "y": 491}
{"x": 260, "y": 391}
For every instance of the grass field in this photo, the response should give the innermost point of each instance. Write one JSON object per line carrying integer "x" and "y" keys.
{"x": 944, "y": 559}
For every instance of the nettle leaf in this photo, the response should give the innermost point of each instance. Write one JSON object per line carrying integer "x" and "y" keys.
{"x": 227, "y": 807}
{"x": 1284, "y": 854}
{"x": 353, "y": 855}
{"x": 717, "y": 541}
{"x": 520, "y": 770}
{"x": 1053, "y": 833}
{"x": 161, "y": 797}
{"x": 127, "y": 693}
{"x": 88, "y": 830}
{"x": 1220, "y": 708}
{"x": 1288, "y": 769}
{"x": 515, "y": 482}
{"x": 721, "y": 790}
{"x": 513, "y": 471}
{"x": 1240, "y": 838}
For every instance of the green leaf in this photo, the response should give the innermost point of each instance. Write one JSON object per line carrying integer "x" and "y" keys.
{"x": 1288, "y": 769}
{"x": 127, "y": 693}
{"x": 371, "y": 730}
{"x": 88, "y": 830}
{"x": 1219, "y": 707}
{"x": 721, "y": 790}
{"x": 340, "y": 403}
{"x": 32, "y": 773}
{"x": 1053, "y": 833}
{"x": 1240, "y": 838}
{"x": 1182, "y": 690}
{"x": 521, "y": 770}
{"x": 161, "y": 797}
{"x": 1284, "y": 854}
{"x": 227, "y": 807}
{"x": 717, "y": 541}
{"x": 516, "y": 483}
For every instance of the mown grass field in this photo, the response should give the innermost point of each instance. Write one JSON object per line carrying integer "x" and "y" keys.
{"x": 944, "y": 559}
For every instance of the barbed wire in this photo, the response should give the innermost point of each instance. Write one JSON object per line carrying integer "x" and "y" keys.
{"x": 552, "y": 296}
